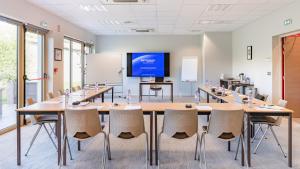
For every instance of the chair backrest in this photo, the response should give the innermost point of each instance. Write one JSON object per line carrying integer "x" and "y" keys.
{"x": 33, "y": 118}
{"x": 226, "y": 124}
{"x": 76, "y": 88}
{"x": 60, "y": 92}
{"x": 238, "y": 89}
{"x": 126, "y": 122}
{"x": 229, "y": 87}
{"x": 50, "y": 95}
{"x": 281, "y": 103}
{"x": 261, "y": 97}
{"x": 155, "y": 87}
{"x": 180, "y": 122}
{"x": 82, "y": 123}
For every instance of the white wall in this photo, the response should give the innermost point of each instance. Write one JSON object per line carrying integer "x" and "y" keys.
{"x": 217, "y": 56}
{"x": 178, "y": 46}
{"x": 259, "y": 34}
{"x": 26, "y": 12}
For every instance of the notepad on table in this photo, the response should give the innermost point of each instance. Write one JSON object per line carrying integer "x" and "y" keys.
{"x": 204, "y": 108}
{"x": 132, "y": 107}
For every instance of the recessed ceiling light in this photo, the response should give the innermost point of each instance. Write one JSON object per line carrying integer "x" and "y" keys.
{"x": 93, "y": 8}
{"x": 128, "y": 22}
{"x": 218, "y": 7}
{"x": 208, "y": 22}
{"x": 196, "y": 30}
{"x": 110, "y": 22}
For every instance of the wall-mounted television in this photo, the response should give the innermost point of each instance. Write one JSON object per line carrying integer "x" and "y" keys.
{"x": 148, "y": 64}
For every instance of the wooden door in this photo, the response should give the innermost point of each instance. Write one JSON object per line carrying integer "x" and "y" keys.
{"x": 292, "y": 73}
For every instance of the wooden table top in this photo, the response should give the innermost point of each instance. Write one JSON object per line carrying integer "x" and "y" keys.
{"x": 258, "y": 105}
{"x": 58, "y": 105}
{"x": 146, "y": 107}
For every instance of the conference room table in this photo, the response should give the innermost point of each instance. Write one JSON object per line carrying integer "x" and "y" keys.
{"x": 255, "y": 109}
{"x": 56, "y": 106}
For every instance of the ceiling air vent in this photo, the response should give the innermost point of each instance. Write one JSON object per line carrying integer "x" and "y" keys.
{"x": 143, "y": 30}
{"x": 125, "y": 1}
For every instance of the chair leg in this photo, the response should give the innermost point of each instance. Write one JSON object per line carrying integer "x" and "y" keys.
{"x": 196, "y": 150}
{"x": 108, "y": 148}
{"x": 256, "y": 132}
{"x": 261, "y": 139}
{"x": 52, "y": 129}
{"x": 147, "y": 150}
{"x": 67, "y": 140}
{"x": 104, "y": 151}
{"x": 244, "y": 148}
{"x": 50, "y": 136}
{"x": 204, "y": 152}
{"x": 162, "y": 94}
{"x": 273, "y": 133}
{"x": 237, "y": 149}
{"x": 158, "y": 149}
{"x": 33, "y": 139}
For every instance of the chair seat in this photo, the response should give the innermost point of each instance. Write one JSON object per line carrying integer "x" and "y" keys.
{"x": 180, "y": 135}
{"x": 155, "y": 88}
{"x": 81, "y": 135}
{"x": 263, "y": 119}
{"x": 224, "y": 136}
{"x": 47, "y": 118}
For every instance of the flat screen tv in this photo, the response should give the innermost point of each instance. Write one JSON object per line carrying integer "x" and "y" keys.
{"x": 148, "y": 64}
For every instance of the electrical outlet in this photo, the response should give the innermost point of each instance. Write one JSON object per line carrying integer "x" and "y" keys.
{"x": 269, "y": 73}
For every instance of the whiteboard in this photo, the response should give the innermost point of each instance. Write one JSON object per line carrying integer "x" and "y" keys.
{"x": 104, "y": 68}
{"x": 189, "y": 69}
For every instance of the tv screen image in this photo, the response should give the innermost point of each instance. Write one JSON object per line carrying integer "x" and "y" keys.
{"x": 148, "y": 64}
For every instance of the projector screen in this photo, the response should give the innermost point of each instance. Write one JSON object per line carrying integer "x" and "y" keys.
{"x": 148, "y": 64}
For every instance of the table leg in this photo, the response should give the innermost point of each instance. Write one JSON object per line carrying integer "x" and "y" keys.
{"x": 242, "y": 145}
{"x": 248, "y": 140}
{"x": 155, "y": 137}
{"x": 207, "y": 97}
{"x": 151, "y": 137}
{"x": 58, "y": 138}
{"x": 102, "y": 115}
{"x": 140, "y": 93}
{"x": 112, "y": 95}
{"x": 18, "y": 138}
{"x": 172, "y": 99}
{"x": 290, "y": 143}
{"x": 64, "y": 142}
{"x": 229, "y": 146}
{"x": 102, "y": 97}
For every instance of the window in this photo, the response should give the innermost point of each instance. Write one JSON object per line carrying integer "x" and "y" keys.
{"x": 34, "y": 54}
{"x": 74, "y": 62}
{"x": 8, "y": 73}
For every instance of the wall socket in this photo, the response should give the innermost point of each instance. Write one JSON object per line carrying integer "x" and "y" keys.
{"x": 269, "y": 73}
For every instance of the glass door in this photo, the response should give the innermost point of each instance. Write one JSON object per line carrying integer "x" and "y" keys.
{"x": 76, "y": 64}
{"x": 34, "y": 66}
{"x": 8, "y": 73}
{"x": 67, "y": 63}
{"x": 73, "y": 63}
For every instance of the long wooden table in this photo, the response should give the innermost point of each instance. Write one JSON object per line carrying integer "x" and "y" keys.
{"x": 255, "y": 111}
{"x": 141, "y": 84}
{"x": 56, "y": 106}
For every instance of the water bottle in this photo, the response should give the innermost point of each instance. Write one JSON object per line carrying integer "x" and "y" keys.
{"x": 196, "y": 97}
{"x": 250, "y": 98}
{"x": 96, "y": 85}
{"x": 128, "y": 96}
{"x": 67, "y": 94}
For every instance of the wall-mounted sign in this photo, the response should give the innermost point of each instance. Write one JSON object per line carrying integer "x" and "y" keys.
{"x": 288, "y": 21}
{"x": 249, "y": 52}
